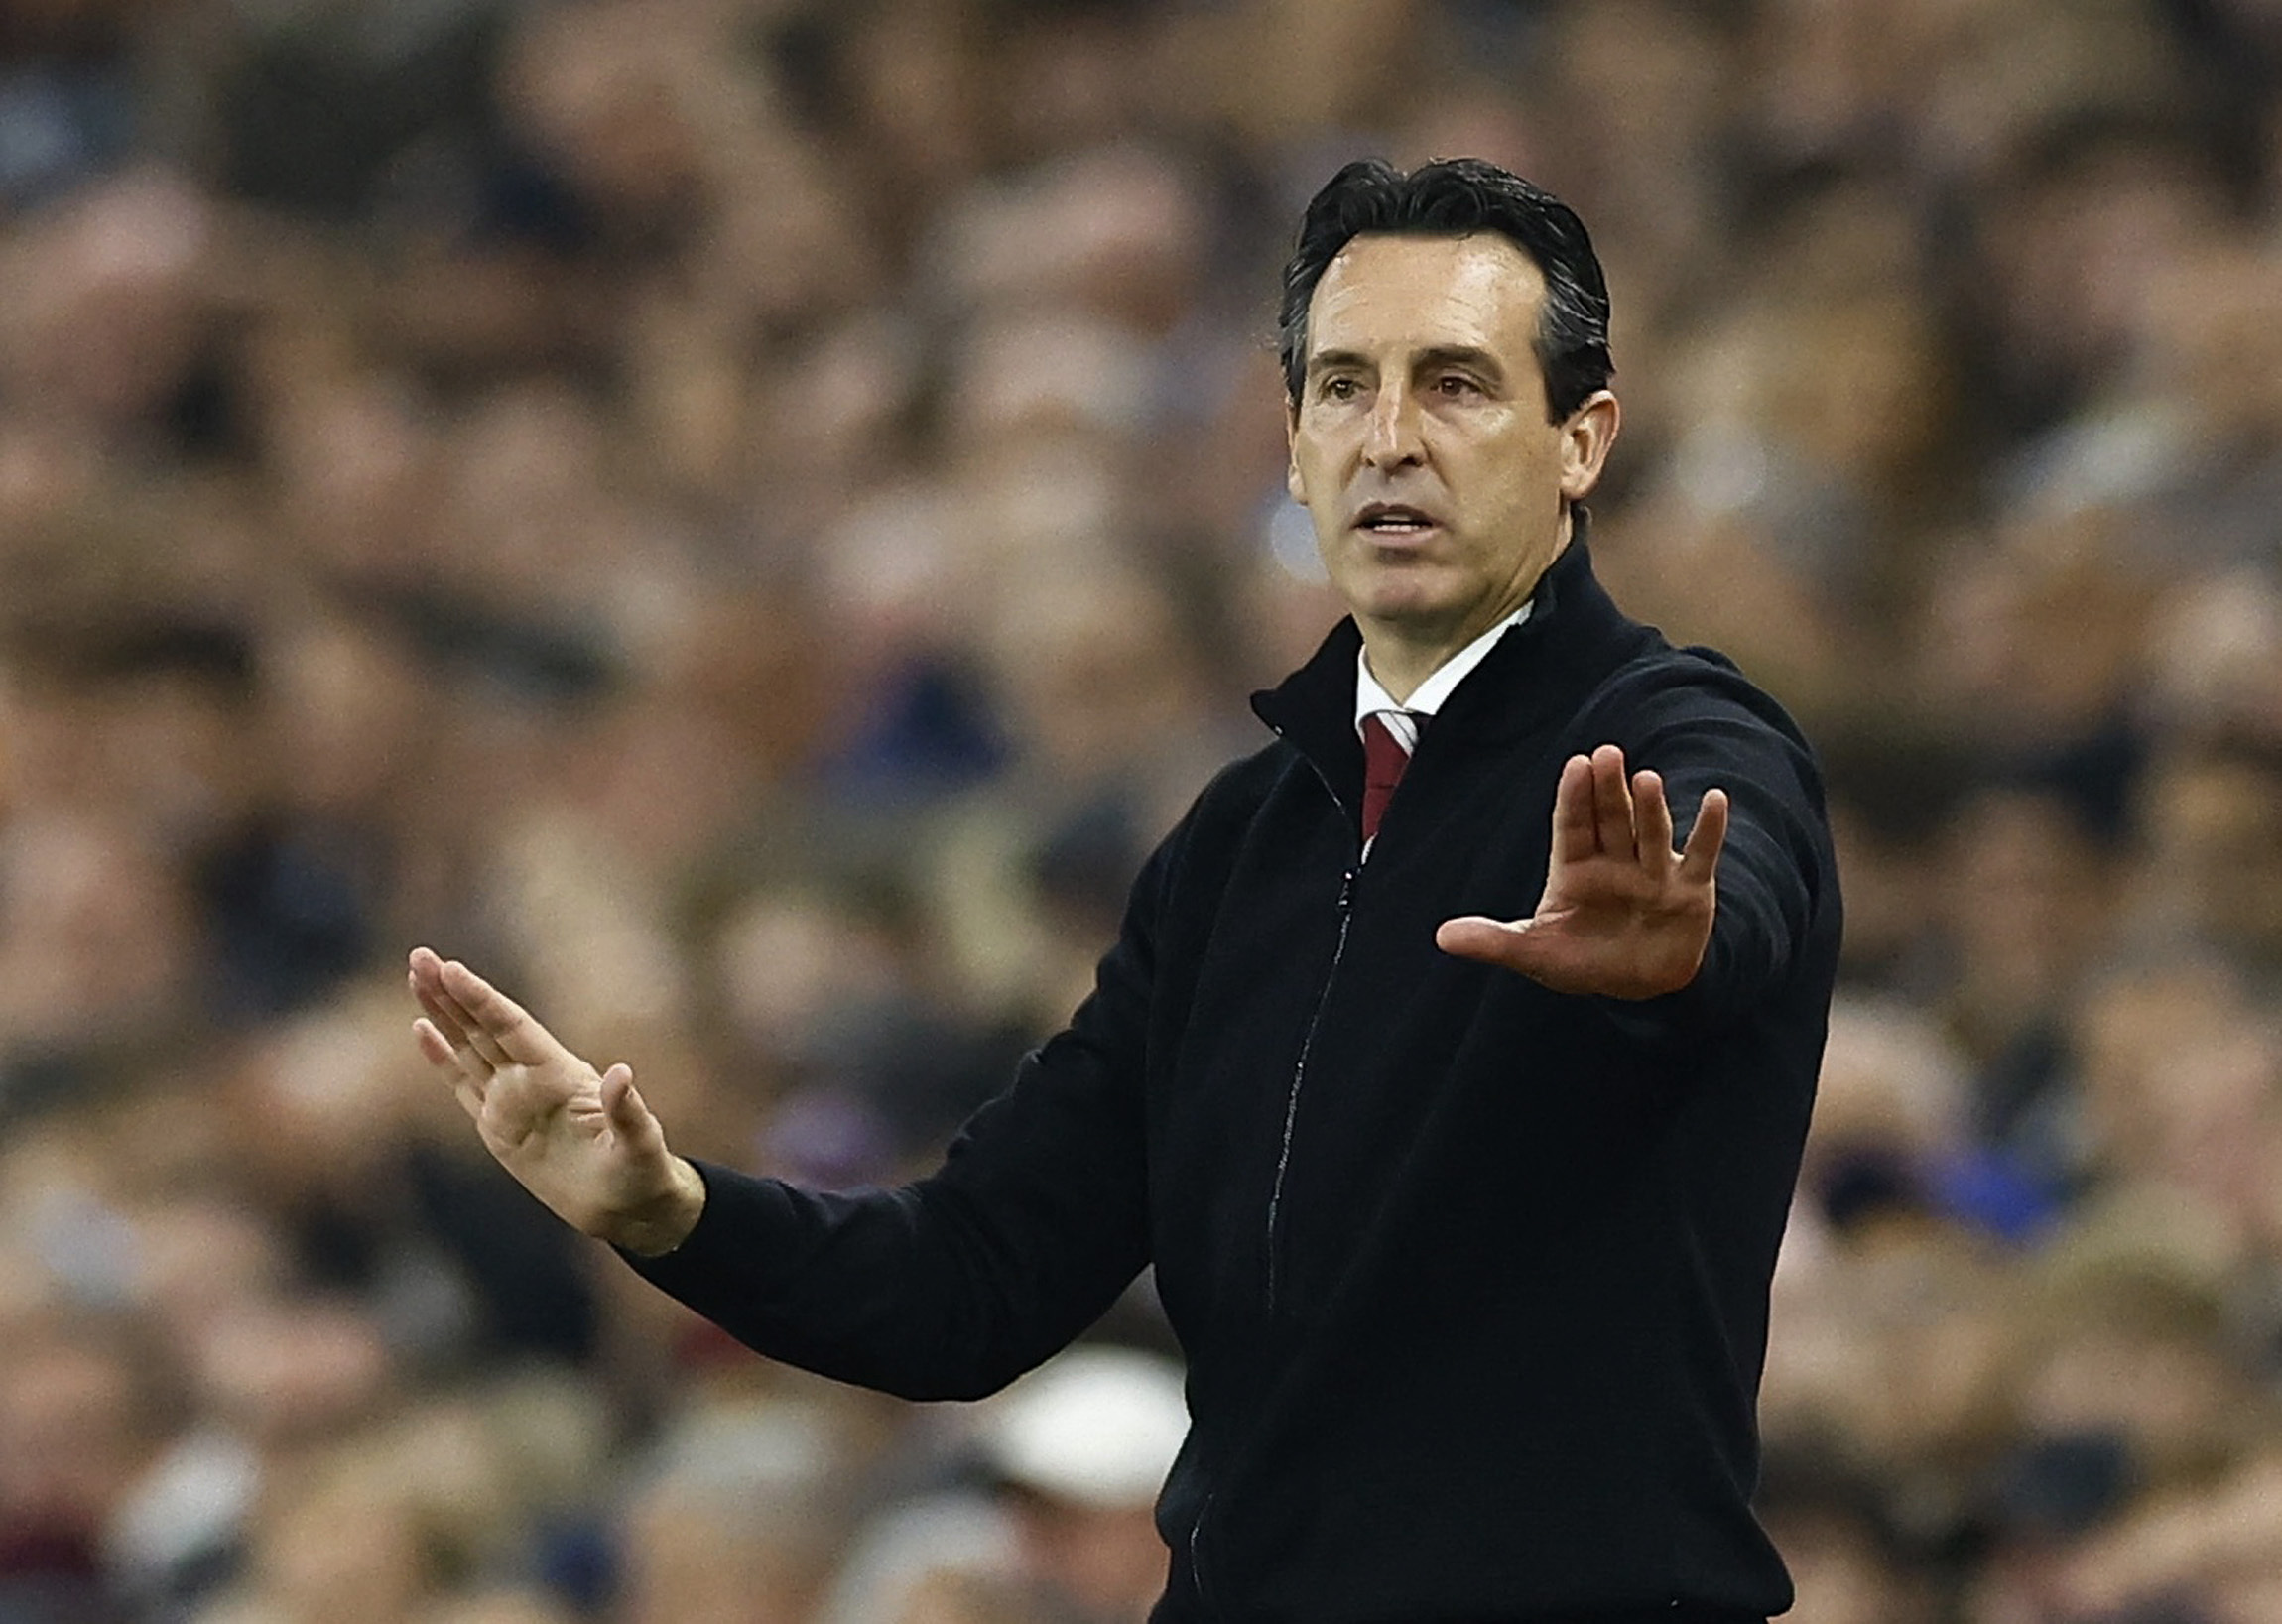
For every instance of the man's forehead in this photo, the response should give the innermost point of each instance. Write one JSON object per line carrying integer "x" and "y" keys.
{"x": 1475, "y": 289}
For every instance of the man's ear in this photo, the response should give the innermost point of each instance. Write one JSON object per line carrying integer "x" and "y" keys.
{"x": 1585, "y": 442}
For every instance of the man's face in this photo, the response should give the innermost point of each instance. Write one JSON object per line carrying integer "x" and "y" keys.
{"x": 1420, "y": 445}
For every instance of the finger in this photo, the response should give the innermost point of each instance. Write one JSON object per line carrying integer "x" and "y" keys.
{"x": 1575, "y": 837}
{"x": 450, "y": 1024}
{"x": 424, "y": 972}
{"x": 484, "y": 1043}
{"x": 434, "y": 1047}
{"x": 461, "y": 1025}
{"x": 496, "y": 1019}
{"x": 468, "y": 1074}
{"x": 1699, "y": 861}
{"x": 459, "y": 1028}
{"x": 1652, "y": 818}
{"x": 1612, "y": 802}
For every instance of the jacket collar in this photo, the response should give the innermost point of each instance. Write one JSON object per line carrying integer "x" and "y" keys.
{"x": 1546, "y": 665}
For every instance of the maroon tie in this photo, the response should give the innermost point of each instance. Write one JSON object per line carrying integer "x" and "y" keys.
{"x": 1384, "y": 759}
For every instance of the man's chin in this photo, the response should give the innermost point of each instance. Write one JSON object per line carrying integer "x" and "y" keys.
{"x": 1406, "y": 598}
{"x": 1410, "y": 621}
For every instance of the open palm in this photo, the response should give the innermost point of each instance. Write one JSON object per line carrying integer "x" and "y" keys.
{"x": 1623, "y": 914}
{"x": 582, "y": 1142}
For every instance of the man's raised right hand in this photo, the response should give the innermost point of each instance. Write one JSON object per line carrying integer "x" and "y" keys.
{"x": 583, "y": 1143}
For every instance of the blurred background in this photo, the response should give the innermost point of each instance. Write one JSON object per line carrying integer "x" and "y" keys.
{"x": 745, "y": 518}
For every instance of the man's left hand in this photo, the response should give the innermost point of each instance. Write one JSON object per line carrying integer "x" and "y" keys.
{"x": 1623, "y": 914}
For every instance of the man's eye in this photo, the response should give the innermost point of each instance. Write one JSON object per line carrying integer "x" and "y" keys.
{"x": 1340, "y": 388}
{"x": 1456, "y": 384}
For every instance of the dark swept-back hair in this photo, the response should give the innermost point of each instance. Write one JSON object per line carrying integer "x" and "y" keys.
{"x": 1457, "y": 198}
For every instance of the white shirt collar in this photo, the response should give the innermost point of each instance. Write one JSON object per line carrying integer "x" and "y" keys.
{"x": 1372, "y": 700}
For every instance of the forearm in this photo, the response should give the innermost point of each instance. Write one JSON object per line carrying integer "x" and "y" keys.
{"x": 1774, "y": 878}
{"x": 917, "y": 1290}
{"x": 812, "y": 1279}
{"x": 839, "y": 1284}
{"x": 953, "y": 1286}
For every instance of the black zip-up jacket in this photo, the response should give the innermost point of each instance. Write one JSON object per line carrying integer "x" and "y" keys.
{"x": 1471, "y": 1277}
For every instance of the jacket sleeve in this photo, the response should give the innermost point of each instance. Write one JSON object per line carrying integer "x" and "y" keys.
{"x": 954, "y": 1284}
{"x": 1777, "y": 896}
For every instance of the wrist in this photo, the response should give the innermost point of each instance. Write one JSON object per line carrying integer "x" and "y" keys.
{"x": 660, "y": 1225}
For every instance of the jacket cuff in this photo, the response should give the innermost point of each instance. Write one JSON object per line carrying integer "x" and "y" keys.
{"x": 704, "y": 1250}
{"x": 1671, "y": 1017}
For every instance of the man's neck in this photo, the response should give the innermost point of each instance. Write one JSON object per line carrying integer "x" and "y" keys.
{"x": 1402, "y": 666}
{"x": 1401, "y": 658}
{"x": 1428, "y": 697}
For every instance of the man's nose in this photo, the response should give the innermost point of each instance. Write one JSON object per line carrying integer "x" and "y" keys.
{"x": 1391, "y": 435}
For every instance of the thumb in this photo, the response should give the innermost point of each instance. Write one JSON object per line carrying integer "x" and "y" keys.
{"x": 622, "y": 1105}
{"x": 1489, "y": 941}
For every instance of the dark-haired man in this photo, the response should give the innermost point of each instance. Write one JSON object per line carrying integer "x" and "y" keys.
{"x": 1461, "y": 1142}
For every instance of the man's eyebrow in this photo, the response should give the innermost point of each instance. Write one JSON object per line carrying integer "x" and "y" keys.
{"x": 1466, "y": 355}
{"x": 1327, "y": 360}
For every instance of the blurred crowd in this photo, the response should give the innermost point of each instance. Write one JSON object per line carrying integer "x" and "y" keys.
{"x": 745, "y": 518}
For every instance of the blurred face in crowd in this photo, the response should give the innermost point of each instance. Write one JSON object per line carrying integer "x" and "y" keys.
{"x": 1422, "y": 445}
{"x": 72, "y": 1434}
{"x": 1107, "y": 1563}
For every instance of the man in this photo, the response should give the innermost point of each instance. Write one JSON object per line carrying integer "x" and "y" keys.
{"x": 1466, "y": 1227}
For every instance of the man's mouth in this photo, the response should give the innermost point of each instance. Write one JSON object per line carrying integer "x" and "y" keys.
{"x": 1393, "y": 520}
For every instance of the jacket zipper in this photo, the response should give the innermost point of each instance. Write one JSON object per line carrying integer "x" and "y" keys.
{"x": 1299, "y": 1076}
